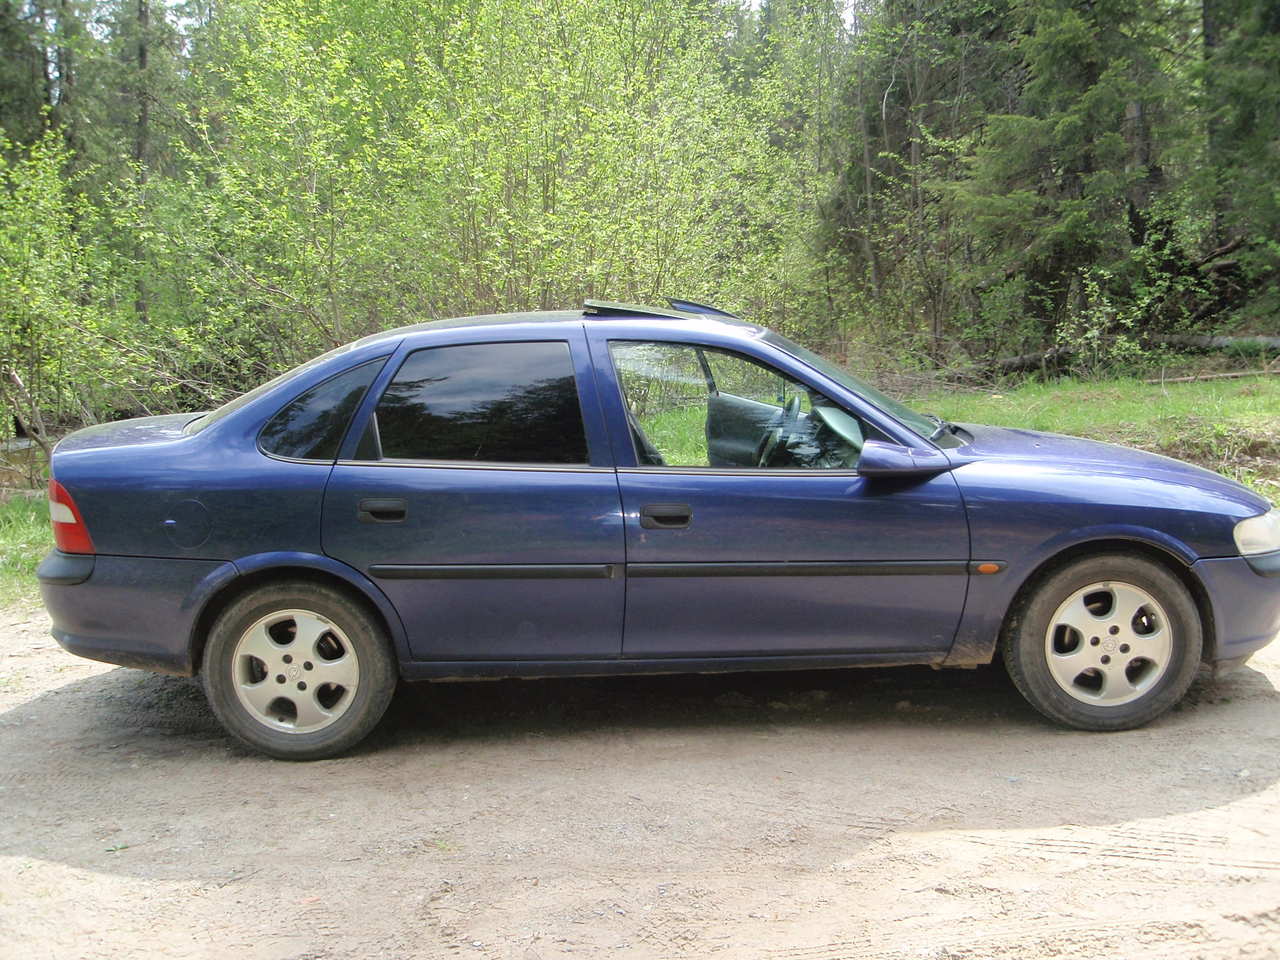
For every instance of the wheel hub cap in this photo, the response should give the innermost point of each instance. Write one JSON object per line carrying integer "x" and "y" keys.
{"x": 1108, "y": 643}
{"x": 295, "y": 671}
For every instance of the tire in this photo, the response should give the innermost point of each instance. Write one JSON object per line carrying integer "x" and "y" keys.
{"x": 298, "y": 671}
{"x": 1107, "y": 642}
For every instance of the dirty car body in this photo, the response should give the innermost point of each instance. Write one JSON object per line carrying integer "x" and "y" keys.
{"x": 623, "y": 489}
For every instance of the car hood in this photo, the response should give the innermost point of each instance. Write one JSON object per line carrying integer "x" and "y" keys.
{"x": 1097, "y": 458}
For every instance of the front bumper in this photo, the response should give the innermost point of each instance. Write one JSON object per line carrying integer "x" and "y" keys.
{"x": 1245, "y": 603}
{"x": 1265, "y": 564}
{"x": 131, "y": 611}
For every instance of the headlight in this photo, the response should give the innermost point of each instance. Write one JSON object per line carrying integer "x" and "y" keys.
{"x": 1259, "y": 534}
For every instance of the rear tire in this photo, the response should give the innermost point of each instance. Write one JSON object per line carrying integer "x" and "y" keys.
{"x": 1107, "y": 642}
{"x": 298, "y": 670}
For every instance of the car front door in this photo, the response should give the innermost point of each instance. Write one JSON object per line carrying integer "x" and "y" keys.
{"x": 478, "y": 493}
{"x": 749, "y": 530}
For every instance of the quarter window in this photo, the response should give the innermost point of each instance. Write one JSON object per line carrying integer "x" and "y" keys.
{"x": 491, "y": 402}
{"x": 311, "y": 426}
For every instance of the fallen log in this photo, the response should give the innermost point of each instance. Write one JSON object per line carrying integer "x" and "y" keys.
{"x": 1238, "y": 375}
{"x": 1203, "y": 342}
{"x": 1229, "y": 247}
{"x": 1028, "y": 362}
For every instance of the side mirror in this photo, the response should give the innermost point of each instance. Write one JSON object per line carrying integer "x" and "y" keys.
{"x": 880, "y": 459}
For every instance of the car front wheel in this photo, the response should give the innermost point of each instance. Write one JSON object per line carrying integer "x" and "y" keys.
{"x": 1107, "y": 642}
{"x": 298, "y": 670}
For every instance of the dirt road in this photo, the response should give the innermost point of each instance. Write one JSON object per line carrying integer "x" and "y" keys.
{"x": 893, "y": 814}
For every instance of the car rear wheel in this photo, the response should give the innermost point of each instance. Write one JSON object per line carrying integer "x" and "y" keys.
{"x": 298, "y": 670}
{"x": 1107, "y": 642}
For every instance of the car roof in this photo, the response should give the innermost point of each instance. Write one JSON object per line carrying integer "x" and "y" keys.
{"x": 593, "y": 311}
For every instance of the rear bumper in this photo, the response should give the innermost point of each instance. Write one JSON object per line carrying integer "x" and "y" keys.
{"x": 1246, "y": 606}
{"x": 131, "y": 611}
{"x": 65, "y": 569}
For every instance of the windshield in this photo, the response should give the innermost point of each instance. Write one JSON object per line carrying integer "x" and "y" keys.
{"x": 231, "y": 406}
{"x": 921, "y": 424}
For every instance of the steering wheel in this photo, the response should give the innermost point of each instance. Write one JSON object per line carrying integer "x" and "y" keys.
{"x": 777, "y": 437}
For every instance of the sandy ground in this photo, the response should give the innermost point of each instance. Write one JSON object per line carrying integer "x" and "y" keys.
{"x": 891, "y": 814}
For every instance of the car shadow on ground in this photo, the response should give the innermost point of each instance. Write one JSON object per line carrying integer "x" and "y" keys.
{"x": 146, "y": 751}
{"x": 115, "y": 705}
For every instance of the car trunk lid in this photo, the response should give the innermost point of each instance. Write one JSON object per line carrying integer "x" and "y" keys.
{"x": 126, "y": 433}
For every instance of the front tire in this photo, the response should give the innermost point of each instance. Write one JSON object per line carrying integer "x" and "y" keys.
{"x": 1107, "y": 642}
{"x": 298, "y": 670}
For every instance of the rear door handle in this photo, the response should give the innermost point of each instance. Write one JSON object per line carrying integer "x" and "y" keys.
{"x": 382, "y": 511}
{"x": 666, "y": 516}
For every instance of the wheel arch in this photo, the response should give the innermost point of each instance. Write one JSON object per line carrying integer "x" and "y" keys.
{"x": 1175, "y": 562}
{"x": 256, "y": 571}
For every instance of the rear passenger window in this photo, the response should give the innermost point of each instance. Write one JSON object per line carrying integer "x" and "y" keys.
{"x": 311, "y": 426}
{"x": 490, "y": 402}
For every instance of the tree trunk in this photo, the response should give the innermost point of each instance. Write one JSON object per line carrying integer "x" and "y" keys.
{"x": 1211, "y": 36}
{"x": 142, "y": 129}
{"x": 868, "y": 202}
{"x": 141, "y": 144}
{"x": 1141, "y": 156}
{"x": 64, "y": 60}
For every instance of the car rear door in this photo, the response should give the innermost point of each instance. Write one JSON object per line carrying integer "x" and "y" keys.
{"x": 478, "y": 492}
{"x": 728, "y": 558}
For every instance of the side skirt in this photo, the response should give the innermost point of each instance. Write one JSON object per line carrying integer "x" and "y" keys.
{"x": 535, "y": 669}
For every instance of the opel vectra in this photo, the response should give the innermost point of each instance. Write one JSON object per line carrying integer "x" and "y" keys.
{"x": 626, "y": 489}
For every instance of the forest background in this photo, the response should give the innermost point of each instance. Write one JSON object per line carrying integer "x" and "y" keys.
{"x": 196, "y": 195}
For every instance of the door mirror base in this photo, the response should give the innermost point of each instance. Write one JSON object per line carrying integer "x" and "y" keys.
{"x": 881, "y": 459}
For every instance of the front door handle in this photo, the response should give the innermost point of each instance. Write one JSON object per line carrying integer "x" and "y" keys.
{"x": 666, "y": 516}
{"x": 382, "y": 511}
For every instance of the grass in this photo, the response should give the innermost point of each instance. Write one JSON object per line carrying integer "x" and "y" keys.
{"x": 1232, "y": 426}
{"x": 680, "y": 433}
{"x": 25, "y": 537}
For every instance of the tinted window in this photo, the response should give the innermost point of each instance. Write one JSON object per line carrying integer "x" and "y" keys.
{"x": 231, "y": 406}
{"x": 496, "y": 402}
{"x": 311, "y": 427}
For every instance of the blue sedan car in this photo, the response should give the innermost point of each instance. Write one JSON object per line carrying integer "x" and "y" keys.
{"x": 627, "y": 489}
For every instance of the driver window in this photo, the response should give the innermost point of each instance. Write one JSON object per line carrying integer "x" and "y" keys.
{"x": 692, "y": 406}
{"x": 739, "y": 377}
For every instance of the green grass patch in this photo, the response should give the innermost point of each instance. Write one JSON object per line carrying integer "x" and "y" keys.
{"x": 679, "y": 433}
{"x": 1232, "y": 426}
{"x": 25, "y": 537}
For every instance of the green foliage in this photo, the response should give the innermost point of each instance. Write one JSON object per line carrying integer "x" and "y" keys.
{"x": 353, "y": 168}
{"x": 24, "y": 539}
{"x": 199, "y": 195}
{"x": 43, "y": 272}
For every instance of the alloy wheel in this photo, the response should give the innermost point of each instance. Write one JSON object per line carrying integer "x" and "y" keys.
{"x": 1108, "y": 643}
{"x": 295, "y": 671}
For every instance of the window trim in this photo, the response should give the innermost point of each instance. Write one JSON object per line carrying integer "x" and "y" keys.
{"x": 475, "y": 465}
{"x": 409, "y": 351}
{"x": 747, "y": 471}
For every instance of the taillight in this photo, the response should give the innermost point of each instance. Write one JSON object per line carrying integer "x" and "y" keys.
{"x": 69, "y": 532}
